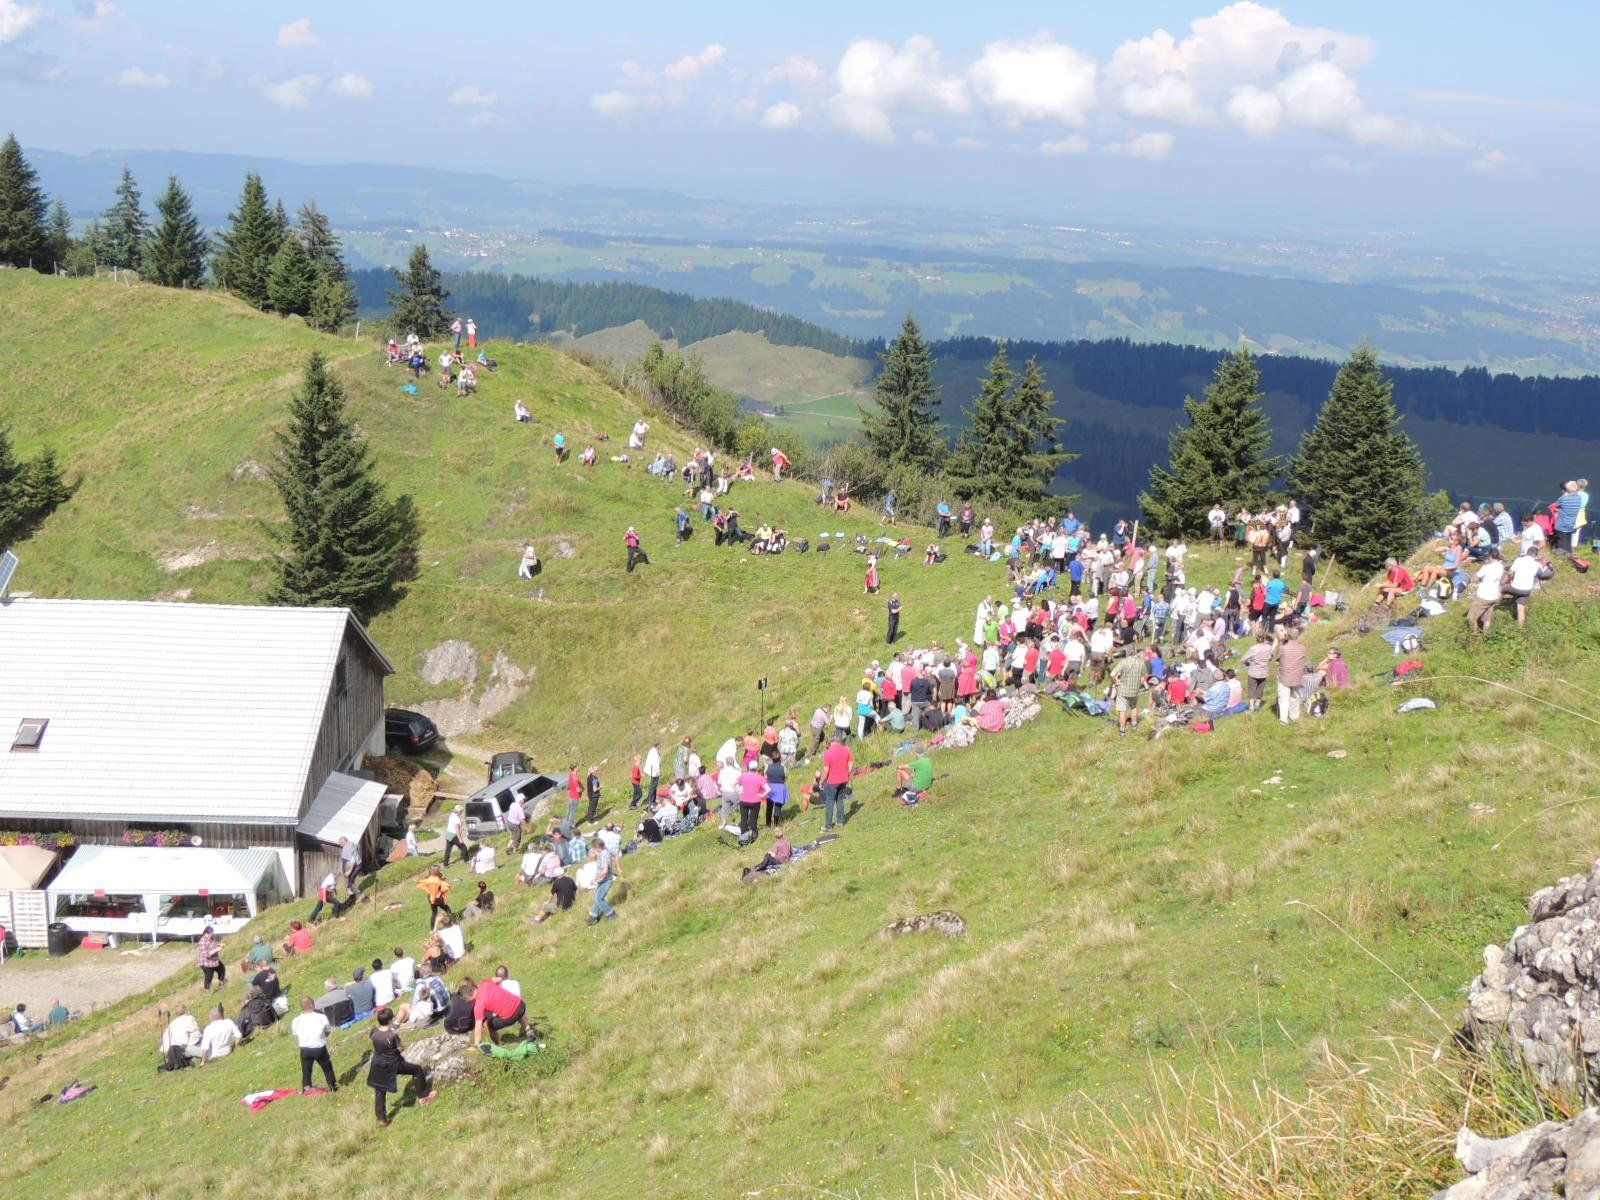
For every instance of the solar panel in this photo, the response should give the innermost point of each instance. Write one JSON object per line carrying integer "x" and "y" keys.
{"x": 8, "y": 568}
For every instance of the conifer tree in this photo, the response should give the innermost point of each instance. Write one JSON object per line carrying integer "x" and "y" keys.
{"x": 986, "y": 449}
{"x": 291, "y": 280}
{"x": 246, "y": 249}
{"x": 1359, "y": 474}
{"x": 903, "y": 429}
{"x": 29, "y": 490}
{"x": 13, "y": 493}
{"x": 321, "y": 243}
{"x": 1219, "y": 456}
{"x": 1039, "y": 451}
{"x": 175, "y": 255}
{"x": 122, "y": 229}
{"x": 333, "y": 299}
{"x": 346, "y": 540}
{"x": 417, "y": 305}
{"x": 59, "y": 232}
{"x": 24, "y": 239}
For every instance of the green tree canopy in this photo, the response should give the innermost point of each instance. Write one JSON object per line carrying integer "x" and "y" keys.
{"x": 122, "y": 229}
{"x": 417, "y": 304}
{"x": 247, "y": 247}
{"x": 345, "y": 542}
{"x": 903, "y": 427}
{"x": 291, "y": 280}
{"x": 1220, "y": 455}
{"x": 175, "y": 255}
{"x": 1360, "y": 475}
{"x": 24, "y": 239}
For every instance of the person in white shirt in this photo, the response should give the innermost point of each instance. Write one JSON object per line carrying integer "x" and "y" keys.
{"x": 1217, "y": 518}
{"x": 1480, "y": 613}
{"x": 219, "y": 1038}
{"x": 181, "y": 1039}
{"x": 1532, "y": 536}
{"x": 636, "y": 438}
{"x": 529, "y": 870}
{"x": 502, "y": 976}
{"x": 516, "y": 818}
{"x": 454, "y": 826}
{"x": 652, "y": 770}
{"x": 453, "y": 939}
{"x": 528, "y": 564}
{"x": 383, "y": 985}
{"x": 404, "y": 969}
{"x": 310, "y": 1031}
{"x": 1523, "y": 581}
{"x": 484, "y": 860}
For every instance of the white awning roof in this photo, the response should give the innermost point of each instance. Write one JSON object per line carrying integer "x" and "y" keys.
{"x": 167, "y": 870}
{"x": 22, "y": 867}
{"x": 343, "y": 808}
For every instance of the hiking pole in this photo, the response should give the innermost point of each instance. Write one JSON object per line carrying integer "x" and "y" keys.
{"x": 1327, "y": 567}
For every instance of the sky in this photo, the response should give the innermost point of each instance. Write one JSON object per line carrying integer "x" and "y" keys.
{"x": 1450, "y": 120}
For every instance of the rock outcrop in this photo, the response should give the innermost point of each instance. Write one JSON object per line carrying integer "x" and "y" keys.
{"x": 1552, "y": 1161}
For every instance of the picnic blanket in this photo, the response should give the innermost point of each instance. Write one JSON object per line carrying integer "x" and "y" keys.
{"x": 256, "y": 1101}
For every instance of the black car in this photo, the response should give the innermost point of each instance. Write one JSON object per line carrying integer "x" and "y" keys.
{"x": 509, "y": 762}
{"x": 408, "y": 732}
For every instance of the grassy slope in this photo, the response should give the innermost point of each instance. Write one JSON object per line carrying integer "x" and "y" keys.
{"x": 1127, "y": 901}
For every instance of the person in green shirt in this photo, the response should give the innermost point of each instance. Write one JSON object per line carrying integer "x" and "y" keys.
{"x": 913, "y": 779}
{"x": 260, "y": 951}
{"x": 1128, "y": 678}
{"x": 58, "y": 1015}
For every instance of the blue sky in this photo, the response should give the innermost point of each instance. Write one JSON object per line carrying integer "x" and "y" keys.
{"x": 1445, "y": 119}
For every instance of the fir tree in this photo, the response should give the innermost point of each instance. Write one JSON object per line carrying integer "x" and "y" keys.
{"x": 345, "y": 542}
{"x": 984, "y": 460}
{"x": 246, "y": 249}
{"x": 1360, "y": 475}
{"x": 417, "y": 305}
{"x": 1039, "y": 451}
{"x": 122, "y": 228}
{"x": 291, "y": 280}
{"x": 29, "y": 491}
{"x": 903, "y": 429}
{"x": 24, "y": 240}
{"x": 333, "y": 301}
{"x": 175, "y": 255}
{"x": 1219, "y": 456}
{"x": 59, "y": 232}
{"x": 321, "y": 243}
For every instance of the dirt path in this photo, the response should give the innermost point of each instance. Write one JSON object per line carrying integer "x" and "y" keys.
{"x": 86, "y": 980}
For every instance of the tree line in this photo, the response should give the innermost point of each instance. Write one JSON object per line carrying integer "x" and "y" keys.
{"x": 291, "y": 268}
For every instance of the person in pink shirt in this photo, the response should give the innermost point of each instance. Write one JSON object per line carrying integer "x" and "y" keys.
{"x": 836, "y": 765}
{"x": 753, "y": 789}
{"x": 992, "y": 713}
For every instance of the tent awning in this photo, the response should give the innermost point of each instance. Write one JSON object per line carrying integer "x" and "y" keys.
{"x": 22, "y": 867}
{"x": 343, "y": 808}
{"x": 164, "y": 870}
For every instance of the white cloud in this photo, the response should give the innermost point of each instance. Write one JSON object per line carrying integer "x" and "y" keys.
{"x": 1257, "y": 112}
{"x": 294, "y": 93}
{"x": 691, "y": 65}
{"x": 16, "y": 19}
{"x": 1152, "y": 147}
{"x": 138, "y": 77}
{"x": 470, "y": 95}
{"x": 797, "y": 71}
{"x": 352, "y": 86}
{"x": 298, "y": 35}
{"x": 1040, "y": 80}
{"x": 783, "y": 115}
{"x": 617, "y": 105}
{"x": 1168, "y": 97}
{"x": 1074, "y": 143}
{"x": 1493, "y": 162}
{"x": 874, "y": 81}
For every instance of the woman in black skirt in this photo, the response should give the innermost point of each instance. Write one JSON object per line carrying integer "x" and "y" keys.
{"x": 388, "y": 1064}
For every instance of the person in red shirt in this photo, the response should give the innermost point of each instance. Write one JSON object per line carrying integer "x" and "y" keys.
{"x": 495, "y": 1007}
{"x": 574, "y": 793}
{"x": 637, "y": 779}
{"x": 836, "y": 763}
{"x": 299, "y": 939}
{"x": 1399, "y": 583}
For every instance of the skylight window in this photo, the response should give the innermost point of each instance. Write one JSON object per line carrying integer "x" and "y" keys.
{"x": 30, "y": 733}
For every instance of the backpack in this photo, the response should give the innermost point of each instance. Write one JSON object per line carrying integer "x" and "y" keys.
{"x": 1443, "y": 588}
{"x": 1318, "y": 705}
{"x": 1409, "y": 644}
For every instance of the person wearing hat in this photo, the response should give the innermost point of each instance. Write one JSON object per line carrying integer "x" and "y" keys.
{"x": 454, "y": 827}
{"x": 260, "y": 952}
{"x": 635, "y": 554}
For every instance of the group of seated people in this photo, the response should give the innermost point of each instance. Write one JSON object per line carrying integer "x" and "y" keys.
{"x": 22, "y": 1022}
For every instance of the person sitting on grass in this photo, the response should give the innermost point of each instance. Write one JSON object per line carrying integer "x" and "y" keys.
{"x": 180, "y": 1041}
{"x": 780, "y": 854}
{"x": 495, "y": 1007}
{"x": 912, "y": 780}
{"x": 299, "y": 939}
{"x": 218, "y": 1038}
{"x": 1397, "y": 582}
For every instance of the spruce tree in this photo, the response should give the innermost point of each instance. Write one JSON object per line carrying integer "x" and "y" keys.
{"x": 1359, "y": 474}
{"x": 59, "y": 232}
{"x": 321, "y": 243}
{"x": 417, "y": 305}
{"x": 345, "y": 540}
{"x": 24, "y": 239}
{"x": 986, "y": 454}
{"x": 903, "y": 428}
{"x": 175, "y": 255}
{"x": 1219, "y": 456}
{"x": 291, "y": 280}
{"x": 333, "y": 301}
{"x": 122, "y": 228}
{"x": 246, "y": 249}
{"x": 1038, "y": 430}
{"x": 13, "y": 491}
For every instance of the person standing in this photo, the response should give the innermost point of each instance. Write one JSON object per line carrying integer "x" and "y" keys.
{"x": 455, "y": 328}
{"x": 592, "y": 785}
{"x": 454, "y": 826}
{"x": 894, "y": 617}
{"x": 472, "y": 334}
{"x": 605, "y": 874}
{"x": 680, "y": 522}
{"x": 1292, "y": 661}
{"x": 516, "y": 818}
{"x": 652, "y": 771}
{"x": 872, "y": 575}
{"x": 388, "y": 1064}
{"x": 680, "y": 761}
{"x": 836, "y": 764}
{"x": 753, "y": 791}
{"x": 574, "y": 793}
{"x": 1490, "y": 577}
{"x": 635, "y": 554}
{"x": 349, "y": 863}
{"x": 889, "y": 514}
{"x": 437, "y": 889}
{"x": 636, "y": 778}
{"x": 210, "y": 958}
{"x": 310, "y": 1031}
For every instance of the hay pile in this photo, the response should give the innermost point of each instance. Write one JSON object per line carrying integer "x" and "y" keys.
{"x": 405, "y": 778}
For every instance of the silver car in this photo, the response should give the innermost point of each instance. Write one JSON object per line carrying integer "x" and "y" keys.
{"x": 486, "y": 807}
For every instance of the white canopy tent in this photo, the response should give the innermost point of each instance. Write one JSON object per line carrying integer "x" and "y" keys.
{"x": 164, "y": 891}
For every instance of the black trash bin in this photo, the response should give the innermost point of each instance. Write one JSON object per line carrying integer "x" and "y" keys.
{"x": 63, "y": 939}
